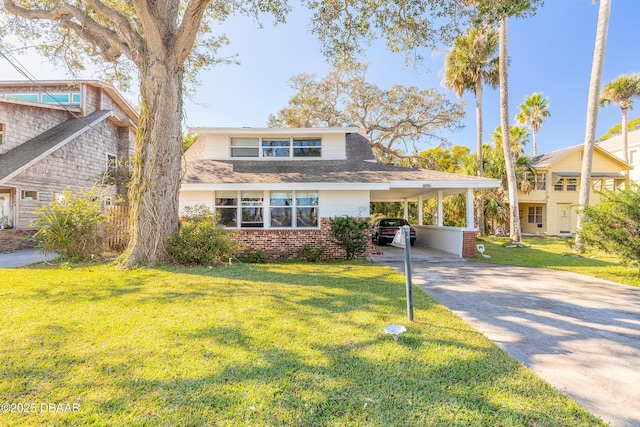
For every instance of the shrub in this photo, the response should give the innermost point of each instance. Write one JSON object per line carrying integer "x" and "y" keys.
{"x": 310, "y": 253}
{"x": 613, "y": 225}
{"x": 200, "y": 239}
{"x": 351, "y": 234}
{"x": 257, "y": 257}
{"x": 71, "y": 225}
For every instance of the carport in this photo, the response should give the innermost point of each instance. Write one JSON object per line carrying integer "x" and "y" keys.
{"x": 459, "y": 241}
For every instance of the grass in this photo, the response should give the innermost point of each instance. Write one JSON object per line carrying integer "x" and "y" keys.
{"x": 557, "y": 253}
{"x": 267, "y": 345}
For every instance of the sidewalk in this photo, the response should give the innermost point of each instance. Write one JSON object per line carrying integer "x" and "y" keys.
{"x": 22, "y": 258}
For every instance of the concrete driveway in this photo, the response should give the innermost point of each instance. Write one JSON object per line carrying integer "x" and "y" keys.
{"x": 22, "y": 258}
{"x": 580, "y": 334}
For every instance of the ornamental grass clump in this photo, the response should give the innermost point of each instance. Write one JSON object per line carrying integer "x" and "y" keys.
{"x": 201, "y": 239}
{"x": 71, "y": 226}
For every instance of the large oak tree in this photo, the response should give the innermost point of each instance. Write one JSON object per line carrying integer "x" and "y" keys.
{"x": 396, "y": 120}
{"x": 157, "y": 38}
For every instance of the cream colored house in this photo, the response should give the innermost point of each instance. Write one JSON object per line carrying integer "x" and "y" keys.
{"x": 550, "y": 207}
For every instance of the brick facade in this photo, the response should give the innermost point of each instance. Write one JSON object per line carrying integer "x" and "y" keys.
{"x": 468, "y": 244}
{"x": 278, "y": 244}
{"x": 14, "y": 240}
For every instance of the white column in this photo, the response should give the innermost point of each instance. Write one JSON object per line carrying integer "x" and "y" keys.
{"x": 406, "y": 209}
{"x": 470, "y": 216}
{"x": 420, "y": 219}
{"x": 440, "y": 210}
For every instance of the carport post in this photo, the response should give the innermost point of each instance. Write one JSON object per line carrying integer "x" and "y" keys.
{"x": 407, "y": 270}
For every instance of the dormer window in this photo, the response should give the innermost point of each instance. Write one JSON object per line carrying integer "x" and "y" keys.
{"x": 282, "y": 148}
{"x": 245, "y": 147}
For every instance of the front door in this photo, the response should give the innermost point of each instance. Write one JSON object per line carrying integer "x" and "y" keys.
{"x": 564, "y": 218}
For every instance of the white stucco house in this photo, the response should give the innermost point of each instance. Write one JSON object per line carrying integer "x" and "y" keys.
{"x": 278, "y": 187}
{"x": 614, "y": 146}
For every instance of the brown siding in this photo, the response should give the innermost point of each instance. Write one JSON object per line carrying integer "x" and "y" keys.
{"x": 80, "y": 163}
{"x": 24, "y": 122}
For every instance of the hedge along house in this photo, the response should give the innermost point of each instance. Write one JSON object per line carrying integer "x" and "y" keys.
{"x": 279, "y": 187}
{"x": 55, "y": 135}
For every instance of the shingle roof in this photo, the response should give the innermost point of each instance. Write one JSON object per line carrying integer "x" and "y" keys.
{"x": 359, "y": 167}
{"x": 16, "y": 160}
{"x": 547, "y": 159}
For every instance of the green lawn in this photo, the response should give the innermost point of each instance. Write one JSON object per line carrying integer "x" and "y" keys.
{"x": 557, "y": 253}
{"x": 264, "y": 345}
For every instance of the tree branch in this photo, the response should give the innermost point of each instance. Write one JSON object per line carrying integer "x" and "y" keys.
{"x": 72, "y": 17}
{"x": 189, "y": 28}
{"x": 155, "y": 35}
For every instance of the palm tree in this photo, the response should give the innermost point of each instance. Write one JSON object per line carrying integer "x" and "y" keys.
{"x": 604, "y": 12}
{"x": 471, "y": 63}
{"x": 518, "y": 136}
{"x": 534, "y": 110}
{"x": 621, "y": 91}
{"x": 515, "y": 234}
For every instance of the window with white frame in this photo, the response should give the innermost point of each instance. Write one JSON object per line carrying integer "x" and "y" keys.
{"x": 227, "y": 206}
{"x": 559, "y": 185}
{"x": 252, "y": 203}
{"x": 541, "y": 181}
{"x": 281, "y": 203}
{"x": 276, "y": 147}
{"x": 306, "y": 209}
{"x": 572, "y": 184}
{"x": 274, "y": 209}
{"x": 632, "y": 156}
{"x": 245, "y": 147}
{"x": 307, "y": 147}
{"x": 66, "y": 98}
{"x": 534, "y": 215}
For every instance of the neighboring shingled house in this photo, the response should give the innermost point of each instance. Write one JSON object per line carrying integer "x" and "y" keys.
{"x": 279, "y": 187}
{"x": 54, "y": 135}
{"x": 550, "y": 207}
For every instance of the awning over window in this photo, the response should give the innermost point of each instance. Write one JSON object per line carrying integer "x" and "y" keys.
{"x": 593, "y": 175}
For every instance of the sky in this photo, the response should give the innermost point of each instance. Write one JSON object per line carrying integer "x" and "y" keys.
{"x": 551, "y": 52}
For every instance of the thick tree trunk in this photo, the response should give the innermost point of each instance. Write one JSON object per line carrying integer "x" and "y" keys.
{"x": 157, "y": 165}
{"x": 478, "y": 88}
{"x": 592, "y": 116}
{"x": 514, "y": 217}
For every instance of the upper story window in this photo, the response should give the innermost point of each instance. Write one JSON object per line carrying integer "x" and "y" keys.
{"x": 282, "y": 148}
{"x": 632, "y": 156}
{"x": 541, "y": 181}
{"x": 566, "y": 184}
{"x": 67, "y": 98}
{"x": 112, "y": 161}
{"x": 245, "y": 147}
{"x": 2, "y": 130}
